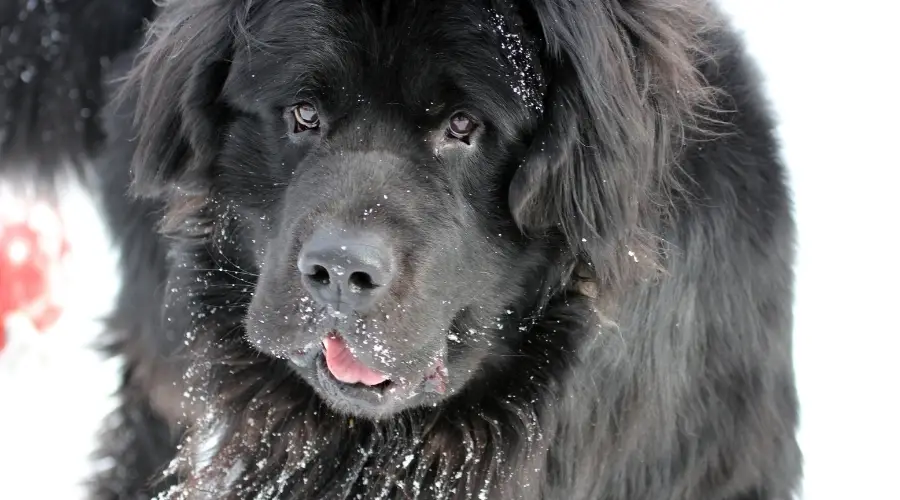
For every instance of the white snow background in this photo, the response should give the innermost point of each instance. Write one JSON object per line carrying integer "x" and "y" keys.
{"x": 828, "y": 72}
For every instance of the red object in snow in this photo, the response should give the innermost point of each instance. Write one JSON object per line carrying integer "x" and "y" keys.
{"x": 31, "y": 254}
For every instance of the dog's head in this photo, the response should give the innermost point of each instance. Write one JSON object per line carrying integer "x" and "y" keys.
{"x": 405, "y": 183}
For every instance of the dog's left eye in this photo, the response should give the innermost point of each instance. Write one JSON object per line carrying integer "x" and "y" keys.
{"x": 306, "y": 117}
{"x": 461, "y": 126}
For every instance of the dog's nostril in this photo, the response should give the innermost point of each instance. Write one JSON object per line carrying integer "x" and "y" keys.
{"x": 360, "y": 281}
{"x": 320, "y": 275}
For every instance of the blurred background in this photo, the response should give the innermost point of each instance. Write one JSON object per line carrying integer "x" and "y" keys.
{"x": 829, "y": 74}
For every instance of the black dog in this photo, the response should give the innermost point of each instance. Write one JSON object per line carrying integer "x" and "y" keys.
{"x": 443, "y": 249}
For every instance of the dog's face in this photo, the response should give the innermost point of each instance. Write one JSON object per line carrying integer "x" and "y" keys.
{"x": 383, "y": 161}
{"x": 371, "y": 154}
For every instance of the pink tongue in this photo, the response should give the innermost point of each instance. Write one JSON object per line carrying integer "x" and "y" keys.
{"x": 347, "y": 368}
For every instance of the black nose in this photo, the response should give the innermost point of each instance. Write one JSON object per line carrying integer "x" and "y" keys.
{"x": 346, "y": 269}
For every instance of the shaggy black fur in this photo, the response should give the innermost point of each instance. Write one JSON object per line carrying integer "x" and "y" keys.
{"x": 53, "y": 54}
{"x": 603, "y": 266}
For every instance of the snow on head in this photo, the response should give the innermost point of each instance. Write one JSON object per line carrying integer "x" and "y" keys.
{"x": 527, "y": 83}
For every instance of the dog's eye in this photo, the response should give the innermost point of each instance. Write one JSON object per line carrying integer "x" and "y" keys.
{"x": 462, "y": 126}
{"x": 306, "y": 117}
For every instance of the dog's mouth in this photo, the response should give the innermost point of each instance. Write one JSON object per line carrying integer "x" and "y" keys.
{"x": 346, "y": 368}
{"x": 343, "y": 378}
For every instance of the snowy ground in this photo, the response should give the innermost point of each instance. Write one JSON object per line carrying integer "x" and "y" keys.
{"x": 55, "y": 387}
{"x": 825, "y": 63}
{"x": 836, "y": 130}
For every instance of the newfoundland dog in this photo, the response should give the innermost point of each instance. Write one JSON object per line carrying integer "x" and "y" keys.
{"x": 436, "y": 249}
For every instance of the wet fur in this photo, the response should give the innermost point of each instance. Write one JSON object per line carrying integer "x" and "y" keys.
{"x": 655, "y": 361}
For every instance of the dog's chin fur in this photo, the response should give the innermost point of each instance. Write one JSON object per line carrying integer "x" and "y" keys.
{"x": 607, "y": 266}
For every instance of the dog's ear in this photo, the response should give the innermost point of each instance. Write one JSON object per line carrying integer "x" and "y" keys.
{"x": 175, "y": 87}
{"x": 623, "y": 86}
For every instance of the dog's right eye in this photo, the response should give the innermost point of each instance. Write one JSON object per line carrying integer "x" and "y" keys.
{"x": 306, "y": 117}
